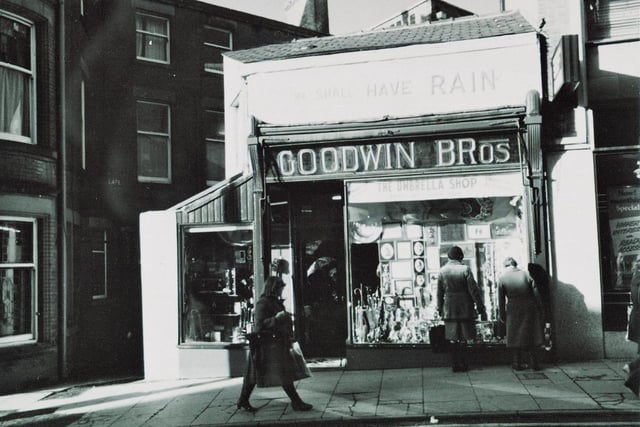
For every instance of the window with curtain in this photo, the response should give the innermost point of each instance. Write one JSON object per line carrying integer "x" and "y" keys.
{"x": 154, "y": 142}
{"x": 16, "y": 79}
{"x": 214, "y": 139}
{"x": 98, "y": 264}
{"x": 18, "y": 275}
{"x": 152, "y": 38}
{"x": 216, "y": 41}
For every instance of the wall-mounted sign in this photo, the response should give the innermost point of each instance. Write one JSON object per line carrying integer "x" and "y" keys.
{"x": 430, "y": 81}
{"x": 423, "y": 153}
{"x": 565, "y": 71}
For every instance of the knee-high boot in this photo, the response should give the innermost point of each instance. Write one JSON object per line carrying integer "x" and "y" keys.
{"x": 243, "y": 400}
{"x": 296, "y": 402}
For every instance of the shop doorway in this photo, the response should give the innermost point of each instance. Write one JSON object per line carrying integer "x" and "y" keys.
{"x": 317, "y": 221}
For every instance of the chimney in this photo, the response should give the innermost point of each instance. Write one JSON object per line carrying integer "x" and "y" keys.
{"x": 311, "y": 14}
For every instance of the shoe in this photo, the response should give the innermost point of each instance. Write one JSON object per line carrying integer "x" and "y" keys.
{"x": 518, "y": 367}
{"x": 244, "y": 404}
{"x": 301, "y": 406}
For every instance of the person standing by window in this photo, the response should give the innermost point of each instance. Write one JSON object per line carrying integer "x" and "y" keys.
{"x": 520, "y": 308}
{"x": 457, "y": 294}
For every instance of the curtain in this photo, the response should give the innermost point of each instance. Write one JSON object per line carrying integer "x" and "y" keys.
{"x": 14, "y": 104}
{"x": 148, "y": 45}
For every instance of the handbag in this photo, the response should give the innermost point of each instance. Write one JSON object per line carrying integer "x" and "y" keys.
{"x": 299, "y": 365}
{"x": 437, "y": 338}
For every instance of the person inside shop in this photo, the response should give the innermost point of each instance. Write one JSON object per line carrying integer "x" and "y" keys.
{"x": 325, "y": 307}
{"x": 633, "y": 331}
{"x": 280, "y": 267}
{"x": 457, "y": 294}
{"x": 270, "y": 363}
{"x": 520, "y": 307}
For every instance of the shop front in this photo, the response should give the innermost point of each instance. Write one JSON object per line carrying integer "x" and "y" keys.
{"x": 369, "y": 223}
{"x": 370, "y": 164}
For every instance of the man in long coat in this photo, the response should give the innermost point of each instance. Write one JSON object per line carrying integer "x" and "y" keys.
{"x": 520, "y": 308}
{"x": 458, "y": 291}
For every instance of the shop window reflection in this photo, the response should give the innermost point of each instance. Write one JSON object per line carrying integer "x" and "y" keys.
{"x": 217, "y": 291}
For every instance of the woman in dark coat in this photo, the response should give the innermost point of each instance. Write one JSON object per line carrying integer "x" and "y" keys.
{"x": 457, "y": 294}
{"x": 269, "y": 362}
{"x": 520, "y": 308}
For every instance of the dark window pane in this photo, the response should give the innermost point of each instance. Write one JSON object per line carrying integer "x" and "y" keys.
{"x": 153, "y": 117}
{"x": 16, "y": 242}
{"x": 15, "y": 43}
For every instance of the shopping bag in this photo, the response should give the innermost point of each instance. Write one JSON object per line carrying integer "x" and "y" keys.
{"x": 299, "y": 365}
{"x": 437, "y": 338}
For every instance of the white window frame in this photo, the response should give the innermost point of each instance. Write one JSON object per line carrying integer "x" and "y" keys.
{"x": 167, "y": 136}
{"x": 32, "y": 85}
{"x": 208, "y": 44}
{"x": 31, "y": 337}
{"x": 214, "y": 140}
{"x": 104, "y": 252}
{"x": 166, "y": 36}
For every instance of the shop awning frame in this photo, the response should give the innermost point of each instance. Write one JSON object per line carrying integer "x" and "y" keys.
{"x": 230, "y": 201}
{"x": 507, "y": 118}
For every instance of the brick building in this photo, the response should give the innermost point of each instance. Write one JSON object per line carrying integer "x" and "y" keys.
{"x": 108, "y": 109}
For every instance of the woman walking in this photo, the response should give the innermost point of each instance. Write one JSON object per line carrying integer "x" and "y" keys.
{"x": 270, "y": 363}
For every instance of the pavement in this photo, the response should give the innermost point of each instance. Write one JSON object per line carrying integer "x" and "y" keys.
{"x": 585, "y": 393}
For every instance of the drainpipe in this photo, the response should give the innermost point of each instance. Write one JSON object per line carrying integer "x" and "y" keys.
{"x": 62, "y": 215}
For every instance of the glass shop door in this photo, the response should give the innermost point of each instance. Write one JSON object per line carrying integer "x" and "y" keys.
{"x": 319, "y": 264}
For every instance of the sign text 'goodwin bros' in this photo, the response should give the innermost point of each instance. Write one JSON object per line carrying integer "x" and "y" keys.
{"x": 389, "y": 156}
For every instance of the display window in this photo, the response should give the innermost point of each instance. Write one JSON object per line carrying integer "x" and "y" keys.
{"x": 399, "y": 232}
{"x": 217, "y": 291}
{"x": 619, "y": 212}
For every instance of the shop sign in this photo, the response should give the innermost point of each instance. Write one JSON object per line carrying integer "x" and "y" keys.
{"x": 393, "y": 156}
{"x": 465, "y": 80}
{"x": 624, "y": 223}
{"x": 436, "y": 188}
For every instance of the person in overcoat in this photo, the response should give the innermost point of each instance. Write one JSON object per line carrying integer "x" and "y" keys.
{"x": 520, "y": 307}
{"x": 458, "y": 292}
{"x": 269, "y": 361}
{"x": 633, "y": 331}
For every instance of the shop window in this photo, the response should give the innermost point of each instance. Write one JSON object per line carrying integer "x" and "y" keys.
{"x": 217, "y": 289}
{"x": 154, "y": 142}
{"x": 618, "y": 178}
{"x": 399, "y": 235}
{"x": 98, "y": 264}
{"x": 214, "y": 139}
{"x": 216, "y": 42}
{"x": 18, "y": 275}
{"x": 17, "y": 80}
{"x": 152, "y": 38}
